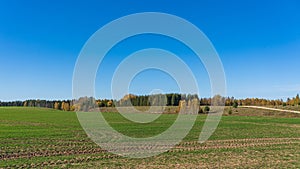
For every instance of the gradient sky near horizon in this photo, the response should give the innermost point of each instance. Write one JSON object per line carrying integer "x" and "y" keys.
{"x": 257, "y": 41}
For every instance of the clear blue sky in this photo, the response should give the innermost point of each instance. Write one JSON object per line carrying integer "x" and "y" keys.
{"x": 257, "y": 41}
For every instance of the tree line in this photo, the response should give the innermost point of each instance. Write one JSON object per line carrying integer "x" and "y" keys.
{"x": 66, "y": 105}
{"x": 172, "y": 99}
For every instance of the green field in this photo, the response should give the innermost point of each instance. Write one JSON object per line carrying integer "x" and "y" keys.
{"x": 41, "y": 138}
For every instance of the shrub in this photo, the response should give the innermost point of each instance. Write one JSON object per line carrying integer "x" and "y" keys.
{"x": 235, "y": 105}
{"x": 206, "y": 109}
{"x": 230, "y": 112}
{"x": 200, "y": 111}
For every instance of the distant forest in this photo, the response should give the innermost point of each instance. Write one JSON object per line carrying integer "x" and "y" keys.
{"x": 171, "y": 99}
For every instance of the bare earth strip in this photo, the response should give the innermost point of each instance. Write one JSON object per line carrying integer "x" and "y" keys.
{"x": 235, "y": 143}
{"x": 267, "y": 108}
{"x": 183, "y": 147}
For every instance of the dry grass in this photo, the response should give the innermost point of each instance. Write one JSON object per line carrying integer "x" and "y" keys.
{"x": 242, "y": 111}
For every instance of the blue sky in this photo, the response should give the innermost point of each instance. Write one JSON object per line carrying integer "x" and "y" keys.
{"x": 258, "y": 43}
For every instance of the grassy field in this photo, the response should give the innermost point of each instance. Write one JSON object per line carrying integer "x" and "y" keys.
{"x": 46, "y": 138}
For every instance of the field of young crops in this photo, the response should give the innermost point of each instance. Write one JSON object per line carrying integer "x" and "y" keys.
{"x": 46, "y": 138}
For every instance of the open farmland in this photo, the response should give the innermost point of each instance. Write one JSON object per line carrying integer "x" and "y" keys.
{"x": 40, "y": 138}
